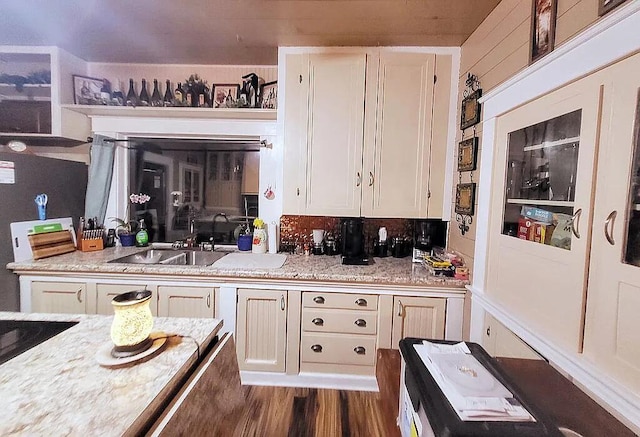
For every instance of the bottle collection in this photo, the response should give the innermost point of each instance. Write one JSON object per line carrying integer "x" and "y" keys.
{"x": 193, "y": 92}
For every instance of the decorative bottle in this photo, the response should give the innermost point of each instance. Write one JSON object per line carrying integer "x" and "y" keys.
{"x": 168, "y": 95}
{"x": 156, "y": 98}
{"x": 142, "y": 237}
{"x": 132, "y": 97}
{"x": 144, "y": 95}
{"x": 180, "y": 95}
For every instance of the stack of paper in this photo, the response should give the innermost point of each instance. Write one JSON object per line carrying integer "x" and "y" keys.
{"x": 474, "y": 393}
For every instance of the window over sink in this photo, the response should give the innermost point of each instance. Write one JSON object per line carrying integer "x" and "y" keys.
{"x": 214, "y": 185}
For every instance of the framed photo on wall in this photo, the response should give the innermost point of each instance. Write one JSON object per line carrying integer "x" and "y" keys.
{"x": 604, "y": 6}
{"x": 467, "y": 154}
{"x": 470, "y": 111}
{"x": 465, "y": 198}
{"x": 543, "y": 27}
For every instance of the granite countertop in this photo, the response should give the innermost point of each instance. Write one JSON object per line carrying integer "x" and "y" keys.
{"x": 384, "y": 271}
{"x": 58, "y": 388}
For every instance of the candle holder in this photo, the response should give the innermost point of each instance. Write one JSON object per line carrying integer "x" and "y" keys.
{"x": 132, "y": 323}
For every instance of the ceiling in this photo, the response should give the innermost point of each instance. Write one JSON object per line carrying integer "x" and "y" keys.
{"x": 232, "y": 32}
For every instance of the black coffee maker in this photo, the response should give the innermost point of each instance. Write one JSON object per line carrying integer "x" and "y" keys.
{"x": 353, "y": 253}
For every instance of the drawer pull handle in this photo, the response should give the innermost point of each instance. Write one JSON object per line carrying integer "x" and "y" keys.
{"x": 316, "y": 348}
{"x": 318, "y": 299}
{"x": 79, "y": 295}
{"x": 361, "y": 323}
{"x": 208, "y": 301}
{"x": 359, "y": 350}
{"x": 361, "y": 302}
{"x": 318, "y": 321}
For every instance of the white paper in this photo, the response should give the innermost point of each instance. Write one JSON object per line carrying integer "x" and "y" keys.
{"x": 7, "y": 172}
{"x": 473, "y": 392}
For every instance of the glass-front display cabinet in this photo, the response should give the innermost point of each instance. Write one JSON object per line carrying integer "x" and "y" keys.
{"x": 542, "y": 162}
{"x": 25, "y": 93}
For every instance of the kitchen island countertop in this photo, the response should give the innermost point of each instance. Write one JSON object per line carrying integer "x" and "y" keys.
{"x": 384, "y": 271}
{"x": 58, "y": 388}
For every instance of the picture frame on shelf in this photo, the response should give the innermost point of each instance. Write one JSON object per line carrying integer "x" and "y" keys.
{"x": 225, "y": 95}
{"x": 465, "y": 198}
{"x": 467, "y": 154}
{"x": 605, "y": 6}
{"x": 269, "y": 95}
{"x": 543, "y": 28}
{"x": 470, "y": 111}
{"x": 86, "y": 90}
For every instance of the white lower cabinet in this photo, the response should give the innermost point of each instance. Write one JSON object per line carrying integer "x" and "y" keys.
{"x": 421, "y": 317}
{"x": 499, "y": 341}
{"x": 338, "y": 333}
{"x": 261, "y": 329}
{"x": 59, "y": 297}
{"x": 174, "y": 301}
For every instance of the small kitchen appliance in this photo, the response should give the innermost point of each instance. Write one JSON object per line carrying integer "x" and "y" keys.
{"x": 428, "y": 233}
{"x": 353, "y": 252}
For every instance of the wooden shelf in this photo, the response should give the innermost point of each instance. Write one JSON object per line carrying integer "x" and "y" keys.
{"x": 549, "y": 144}
{"x": 541, "y": 202}
{"x": 174, "y": 112}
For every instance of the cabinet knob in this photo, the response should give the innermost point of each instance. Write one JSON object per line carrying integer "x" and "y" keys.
{"x": 318, "y": 321}
{"x": 361, "y": 302}
{"x": 489, "y": 331}
{"x": 316, "y": 348}
{"x": 361, "y": 323}
{"x": 359, "y": 350}
{"x": 318, "y": 299}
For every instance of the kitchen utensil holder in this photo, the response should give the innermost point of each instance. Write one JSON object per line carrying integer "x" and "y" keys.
{"x": 91, "y": 244}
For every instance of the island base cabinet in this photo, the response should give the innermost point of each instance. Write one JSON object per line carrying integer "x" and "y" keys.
{"x": 59, "y": 297}
{"x": 421, "y": 317}
{"x": 261, "y": 329}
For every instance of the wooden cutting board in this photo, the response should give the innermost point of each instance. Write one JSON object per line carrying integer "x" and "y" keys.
{"x": 51, "y": 243}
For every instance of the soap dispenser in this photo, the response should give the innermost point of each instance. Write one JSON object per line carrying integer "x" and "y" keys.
{"x": 142, "y": 237}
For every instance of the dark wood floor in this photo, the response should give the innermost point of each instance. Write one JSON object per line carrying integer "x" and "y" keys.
{"x": 282, "y": 411}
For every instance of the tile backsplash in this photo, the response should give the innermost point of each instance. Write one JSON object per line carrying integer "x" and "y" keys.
{"x": 296, "y": 229}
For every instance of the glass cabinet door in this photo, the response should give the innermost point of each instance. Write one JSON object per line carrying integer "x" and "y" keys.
{"x": 542, "y": 161}
{"x": 632, "y": 224}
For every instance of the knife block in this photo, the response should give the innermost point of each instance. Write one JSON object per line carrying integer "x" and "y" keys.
{"x": 90, "y": 245}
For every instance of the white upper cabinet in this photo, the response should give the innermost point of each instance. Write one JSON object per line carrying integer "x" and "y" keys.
{"x": 398, "y": 135}
{"x": 360, "y": 133}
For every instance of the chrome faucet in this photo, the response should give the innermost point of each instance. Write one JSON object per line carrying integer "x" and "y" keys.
{"x": 213, "y": 228}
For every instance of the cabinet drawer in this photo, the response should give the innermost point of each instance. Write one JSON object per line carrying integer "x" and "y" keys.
{"x": 339, "y": 300}
{"x": 339, "y": 321}
{"x": 338, "y": 349}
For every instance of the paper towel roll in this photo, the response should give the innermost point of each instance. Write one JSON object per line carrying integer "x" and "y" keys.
{"x": 274, "y": 238}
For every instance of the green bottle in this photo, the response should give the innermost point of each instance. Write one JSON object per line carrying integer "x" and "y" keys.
{"x": 142, "y": 237}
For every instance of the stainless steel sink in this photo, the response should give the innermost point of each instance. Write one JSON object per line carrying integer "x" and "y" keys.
{"x": 171, "y": 257}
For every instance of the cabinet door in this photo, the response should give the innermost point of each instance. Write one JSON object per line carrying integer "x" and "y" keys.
{"x": 541, "y": 210}
{"x": 613, "y": 300}
{"x": 106, "y": 293}
{"x": 398, "y": 136}
{"x": 421, "y": 317}
{"x": 261, "y": 330}
{"x": 59, "y": 297}
{"x": 334, "y": 135}
{"x": 185, "y": 301}
{"x": 498, "y": 341}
